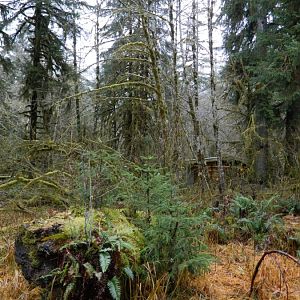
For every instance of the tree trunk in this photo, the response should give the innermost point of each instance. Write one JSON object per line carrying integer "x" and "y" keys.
{"x": 221, "y": 181}
{"x": 34, "y": 101}
{"x": 97, "y": 50}
{"x": 198, "y": 146}
{"x": 262, "y": 144}
{"x": 195, "y": 99}
{"x": 293, "y": 135}
{"x": 33, "y": 116}
{"x": 76, "y": 79}
{"x": 56, "y": 254}
{"x": 175, "y": 85}
{"x": 187, "y": 94}
{"x": 161, "y": 105}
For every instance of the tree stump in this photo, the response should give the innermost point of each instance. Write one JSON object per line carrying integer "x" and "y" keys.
{"x": 68, "y": 262}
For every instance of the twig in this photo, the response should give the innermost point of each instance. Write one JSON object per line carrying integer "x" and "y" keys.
{"x": 24, "y": 209}
{"x": 295, "y": 260}
{"x": 282, "y": 278}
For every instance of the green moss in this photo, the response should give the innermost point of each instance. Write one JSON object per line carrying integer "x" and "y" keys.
{"x": 28, "y": 237}
{"x": 29, "y": 240}
{"x": 74, "y": 228}
{"x": 119, "y": 225}
{"x": 124, "y": 259}
{"x": 64, "y": 227}
{"x": 44, "y": 198}
{"x": 61, "y": 236}
{"x": 33, "y": 258}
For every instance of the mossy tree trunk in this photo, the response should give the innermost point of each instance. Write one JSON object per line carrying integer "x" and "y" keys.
{"x": 293, "y": 135}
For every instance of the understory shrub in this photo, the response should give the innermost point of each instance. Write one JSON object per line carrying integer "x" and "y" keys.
{"x": 255, "y": 219}
{"x": 289, "y": 206}
{"x": 173, "y": 229}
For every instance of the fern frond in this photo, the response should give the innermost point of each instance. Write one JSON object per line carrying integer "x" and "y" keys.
{"x": 89, "y": 269}
{"x": 114, "y": 288}
{"x": 69, "y": 290}
{"x": 104, "y": 259}
{"x": 129, "y": 273}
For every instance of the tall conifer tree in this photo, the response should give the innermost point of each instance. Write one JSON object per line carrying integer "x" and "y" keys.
{"x": 45, "y": 24}
{"x": 262, "y": 40}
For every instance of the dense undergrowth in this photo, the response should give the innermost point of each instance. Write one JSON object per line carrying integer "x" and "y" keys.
{"x": 180, "y": 228}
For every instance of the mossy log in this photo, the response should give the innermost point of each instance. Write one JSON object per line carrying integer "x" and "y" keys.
{"x": 68, "y": 263}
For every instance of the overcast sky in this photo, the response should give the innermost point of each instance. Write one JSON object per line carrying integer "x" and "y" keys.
{"x": 86, "y": 41}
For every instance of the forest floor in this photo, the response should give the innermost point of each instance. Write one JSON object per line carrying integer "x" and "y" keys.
{"x": 12, "y": 283}
{"x": 229, "y": 276}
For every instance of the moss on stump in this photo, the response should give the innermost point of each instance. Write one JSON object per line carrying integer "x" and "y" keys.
{"x": 73, "y": 257}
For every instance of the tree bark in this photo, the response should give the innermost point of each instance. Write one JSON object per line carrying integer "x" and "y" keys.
{"x": 76, "y": 77}
{"x": 293, "y": 135}
{"x": 36, "y": 67}
{"x": 261, "y": 144}
{"x": 221, "y": 175}
{"x": 175, "y": 84}
{"x": 160, "y": 100}
{"x": 97, "y": 50}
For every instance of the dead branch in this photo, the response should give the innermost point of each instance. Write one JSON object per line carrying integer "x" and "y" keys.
{"x": 295, "y": 260}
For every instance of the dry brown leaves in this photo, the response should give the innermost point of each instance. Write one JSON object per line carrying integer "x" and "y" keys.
{"x": 230, "y": 276}
{"x": 13, "y": 286}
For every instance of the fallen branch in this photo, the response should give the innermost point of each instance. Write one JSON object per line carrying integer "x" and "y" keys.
{"x": 295, "y": 260}
{"x": 42, "y": 179}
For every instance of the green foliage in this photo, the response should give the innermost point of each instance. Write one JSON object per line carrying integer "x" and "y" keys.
{"x": 69, "y": 290}
{"x": 95, "y": 264}
{"x": 262, "y": 41}
{"x": 80, "y": 265}
{"x": 242, "y": 206}
{"x": 128, "y": 273}
{"x": 44, "y": 26}
{"x": 105, "y": 260}
{"x": 114, "y": 288}
{"x": 255, "y": 219}
{"x": 173, "y": 239}
{"x": 173, "y": 229}
{"x": 38, "y": 184}
{"x": 289, "y": 206}
{"x": 89, "y": 269}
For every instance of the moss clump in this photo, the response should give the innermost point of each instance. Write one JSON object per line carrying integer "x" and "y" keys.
{"x": 74, "y": 227}
{"x": 119, "y": 225}
{"x": 61, "y": 236}
{"x": 34, "y": 259}
{"x": 28, "y": 237}
{"x": 29, "y": 240}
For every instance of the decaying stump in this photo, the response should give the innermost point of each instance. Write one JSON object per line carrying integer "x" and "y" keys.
{"x": 57, "y": 255}
{"x": 37, "y": 257}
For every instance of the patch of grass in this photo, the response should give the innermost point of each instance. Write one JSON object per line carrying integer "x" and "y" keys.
{"x": 12, "y": 283}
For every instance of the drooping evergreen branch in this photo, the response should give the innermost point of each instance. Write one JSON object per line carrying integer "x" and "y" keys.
{"x": 114, "y": 86}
